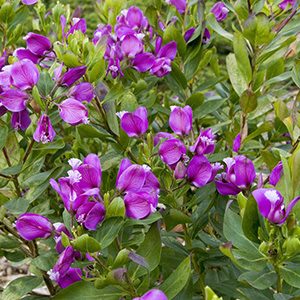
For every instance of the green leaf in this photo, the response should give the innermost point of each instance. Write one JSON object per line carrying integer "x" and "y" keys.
{"x": 89, "y": 131}
{"x": 290, "y": 273}
{"x": 86, "y": 243}
{"x": 112, "y": 120}
{"x": 235, "y": 75}
{"x": 195, "y": 100}
{"x": 177, "y": 280}
{"x": 259, "y": 280}
{"x": 86, "y": 290}
{"x": 248, "y": 101}
{"x": 37, "y": 98}
{"x": 109, "y": 230}
{"x": 241, "y": 55}
{"x": 45, "y": 261}
{"x": 8, "y": 242}
{"x": 45, "y": 84}
{"x": 171, "y": 33}
{"x": 97, "y": 71}
{"x": 116, "y": 208}
{"x": 20, "y": 287}
{"x": 210, "y": 294}
{"x": 208, "y": 107}
{"x": 212, "y": 22}
{"x": 296, "y": 74}
{"x": 3, "y": 135}
{"x": 265, "y": 127}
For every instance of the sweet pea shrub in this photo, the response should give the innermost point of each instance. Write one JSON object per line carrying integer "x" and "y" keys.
{"x": 150, "y": 149}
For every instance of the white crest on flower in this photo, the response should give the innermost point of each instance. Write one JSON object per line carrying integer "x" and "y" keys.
{"x": 173, "y": 107}
{"x": 74, "y": 176}
{"x": 53, "y": 275}
{"x": 272, "y": 195}
{"x": 120, "y": 114}
{"x": 146, "y": 168}
{"x": 74, "y": 162}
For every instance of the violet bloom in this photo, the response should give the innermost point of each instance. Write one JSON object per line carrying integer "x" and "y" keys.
{"x": 59, "y": 229}
{"x": 236, "y": 145}
{"x": 71, "y": 276}
{"x": 179, "y": 4}
{"x": 181, "y": 119}
{"x": 143, "y": 62}
{"x": 180, "y": 170}
{"x": 73, "y": 112}
{"x": 24, "y": 74}
{"x": 31, "y": 226}
{"x": 134, "y": 123}
{"x": 172, "y": 151}
{"x": 77, "y": 25}
{"x": 153, "y": 294}
{"x": 14, "y": 100}
{"x": 206, "y": 36}
{"x": 199, "y": 171}
{"x": 102, "y": 32}
{"x": 22, "y": 53}
{"x": 90, "y": 214}
{"x": 205, "y": 143}
{"x": 220, "y": 11}
{"x": 44, "y": 132}
{"x": 131, "y": 45}
{"x": 283, "y": 4}
{"x": 72, "y": 75}
{"x": 20, "y": 120}
{"x": 271, "y": 205}
{"x": 160, "y": 136}
{"x": 29, "y": 2}
{"x": 239, "y": 175}
{"x": 83, "y": 91}
{"x": 37, "y": 44}
{"x": 276, "y": 174}
{"x": 189, "y": 33}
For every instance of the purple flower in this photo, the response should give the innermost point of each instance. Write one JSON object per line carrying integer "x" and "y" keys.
{"x": 20, "y": 120}
{"x": 220, "y": 11}
{"x": 271, "y": 205}
{"x": 103, "y": 31}
{"x": 14, "y": 100}
{"x": 72, "y": 75}
{"x": 29, "y": 2}
{"x": 37, "y": 44}
{"x": 71, "y": 276}
{"x": 206, "y": 36}
{"x": 131, "y": 46}
{"x": 44, "y": 132}
{"x": 143, "y": 62}
{"x": 83, "y": 91}
{"x": 180, "y": 170}
{"x": 237, "y": 143}
{"x": 90, "y": 214}
{"x": 179, "y": 4}
{"x": 189, "y": 33}
{"x": 162, "y": 135}
{"x": 73, "y": 112}
{"x": 181, "y": 119}
{"x": 22, "y": 53}
{"x": 239, "y": 175}
{"x": 59, "y": 228}
{"x": 283, "y": 4}
{"x": 3, "y": 110}
{"x": 205, "y": 143}
{"x": 276, "y": 174}
{"x": 134, "y": 123}
{"x": 153, "y": 294}
{"x": 24, "y": 74}
{"x": 77, "y": 25}
{"x": 172, "y": 151}
{"x": 31, "y": 226}
{"x": 199, "y": 171}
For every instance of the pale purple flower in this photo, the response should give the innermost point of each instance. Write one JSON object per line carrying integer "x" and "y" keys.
{"x": 14, "y": 100}
{"x": 131, "y": 45}
{"x": 205, "y": 143}
{"x": 44, "y": 132}
{"x": 37, "y": 44}
{"x": 90, "y": 214}
{"x": 283, "y": 4}
{"x": 22, "y": 53}
{"x": 153, "y": 294}
{"x": 162, "y": 135}
{"x": 73, "y": 112}
{"x": 83, "y": 91}
{"x": 24, "y": 74}
{"x": 237, "y": 143}
{"x": 72, "y": 75}
{"x": 239, "y": 175}
{"x": 134, "y": 123}
{"x": 276, "y": 174}
{"x": 29, "y": 2}
{"x": 179, "y": 4}
{"x": 220, "y": 11}
{"x": 172, "y": 151}
{"x": 77, "y": 24}
{"x": 31, "y": 226}
{"x": 271, "y": 205}
{"x": 102, "y": 32}
{"x": 20, "y": 120}
{"x": 199, "y": 171}
{"x": 143, "y": 62}
{"x": 181, "y": 119}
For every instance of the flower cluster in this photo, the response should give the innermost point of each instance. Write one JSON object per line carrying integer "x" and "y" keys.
{"x": 126, "y": 45}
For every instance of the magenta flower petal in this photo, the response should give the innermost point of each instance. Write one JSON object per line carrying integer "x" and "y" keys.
{"x": 37, "y": 44}
{"x": 20, "y": 120}
{"x": 131, "y": 46}
{"x": 71, "y": 276}
{"x": 168, "y": 51}
{"x": 77, "y": 25}
{"x": 83, "y": 91}
{"x": 137, "y": 205}
{"x": 14, "y": 100}
{"x": 171, "y": 151}
{"x": 220, "y": 11}
{"x": 244, "y": 171}
{"x": 199, "y": 171}
{"x": 29, "y": 2}
{"x": 72, "y": 75}
{"x": 162, "y": 135}
{"x": 22, "y": 53}
{"x": 205, "y": 143}
{"x": 31, "y": 226}
{"x": 143, "y": 62}
{"x": 125, "y": 163}
{"x": 283, "y": 4}
{"x": 73, "y": 112}
{"x": 134, "y": 17}
{"x": 276, "y": 174}
{"x": 206, "y": 36}
{"x": 132, "y": 179}
{"x": 24, "y": 74}
{"x": 44, "y": 132}
{"x": 179, "y": 4}
{"x": 226, "y": 188}
{"x": 181, "y": 119}
{"x": 237, "y": 143}
{"x": 189, "y": 33}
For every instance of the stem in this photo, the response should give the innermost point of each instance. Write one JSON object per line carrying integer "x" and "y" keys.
{"x": 28, "y": 151}
{"x": 279, "y": 280}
